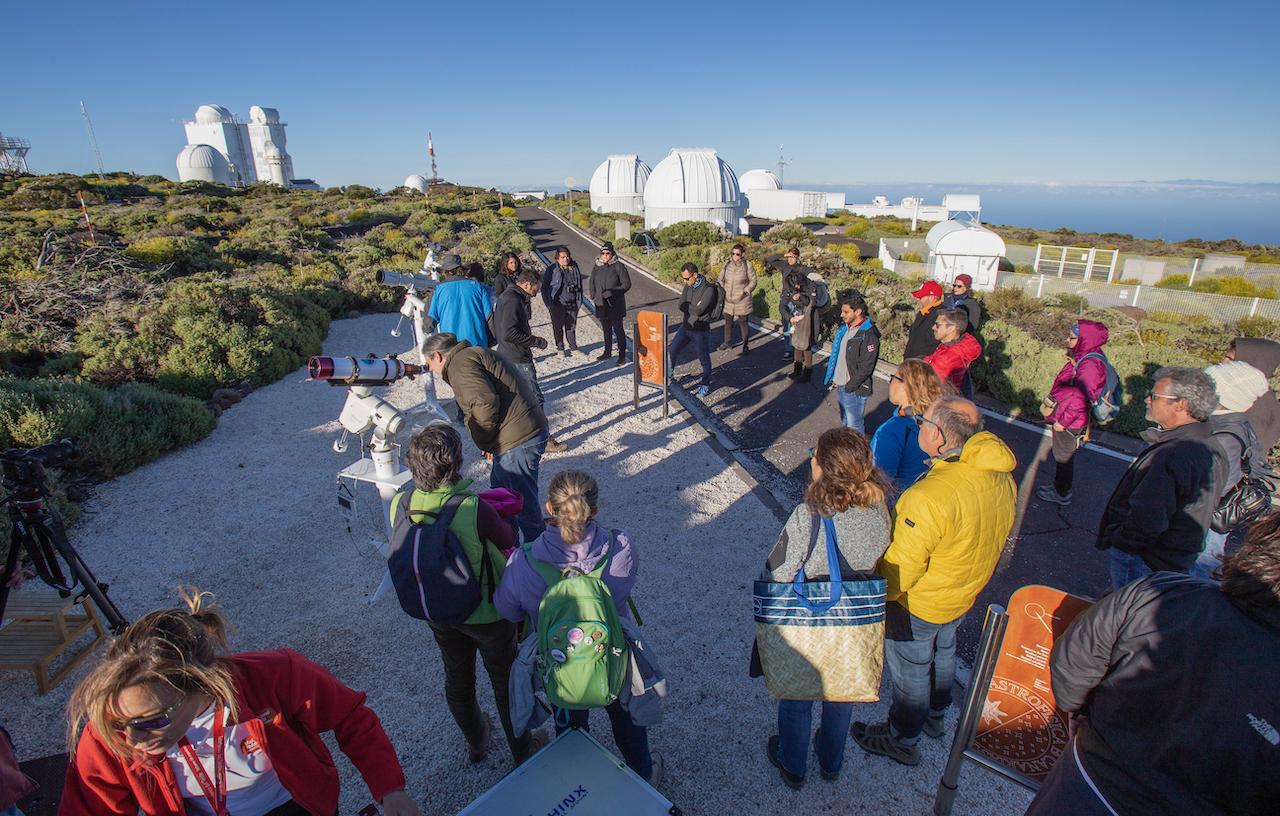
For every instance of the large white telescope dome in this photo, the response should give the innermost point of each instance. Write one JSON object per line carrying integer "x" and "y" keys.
{"x": 692, "y": 184}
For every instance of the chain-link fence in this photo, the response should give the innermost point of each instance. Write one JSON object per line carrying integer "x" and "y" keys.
{"x": 1100, "y": 294}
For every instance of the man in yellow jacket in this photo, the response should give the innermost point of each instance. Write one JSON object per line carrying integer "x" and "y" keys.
{"x": 950, "y": 529}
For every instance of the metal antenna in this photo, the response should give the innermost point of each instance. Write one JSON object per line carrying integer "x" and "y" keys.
{"x": 782, "y": 162}
{"x": 93, "y": 140}
{"x": 431, "y": 151}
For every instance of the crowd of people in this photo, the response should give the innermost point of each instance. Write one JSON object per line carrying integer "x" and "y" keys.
{"x": 924, "y": 502}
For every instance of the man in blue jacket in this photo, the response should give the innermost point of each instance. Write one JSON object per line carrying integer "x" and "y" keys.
{"x": 460, "y": 306}
{"x": 852, "y": 364}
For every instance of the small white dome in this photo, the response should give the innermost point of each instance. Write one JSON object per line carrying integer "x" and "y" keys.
{"x": 416, "y": 182}
{"x": 618, "y": 184}
{"x": 264, "y": 116}
{"x": 758, "y": 180}
{"x": 203, "y": 163}
{"x": 692, "y": 184}
{"x": 212, "y": 114}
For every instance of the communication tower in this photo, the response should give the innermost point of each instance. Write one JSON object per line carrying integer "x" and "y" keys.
{"x": 782, "y": 162}
{"x": 13, "y": 154}
{"x": 431, "y": 152}
{"x": 93, "y": 140}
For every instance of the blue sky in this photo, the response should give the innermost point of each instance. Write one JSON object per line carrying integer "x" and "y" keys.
{"x": 529, "y": 93}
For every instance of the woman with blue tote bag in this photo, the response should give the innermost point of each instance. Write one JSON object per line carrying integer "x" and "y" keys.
{"x": 819, "y": 611}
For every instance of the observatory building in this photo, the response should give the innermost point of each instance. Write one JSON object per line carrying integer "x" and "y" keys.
{"x": 692, "y": 184}
{"x": 225, "y": 150}
{"x": 618, "y": 184}
{"x": 964, "y": 247}
{"x": 763, "y": 197}
{"x": 416, "y": 182}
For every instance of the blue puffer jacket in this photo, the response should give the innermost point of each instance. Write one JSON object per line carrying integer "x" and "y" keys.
{"x": 895, "y": 448}
{"x": 462, "y": 308}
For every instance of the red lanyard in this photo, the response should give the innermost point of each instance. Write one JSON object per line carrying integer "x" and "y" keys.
{"x": 217, "y": 796}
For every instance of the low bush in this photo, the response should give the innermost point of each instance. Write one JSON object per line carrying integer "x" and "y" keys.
{"x": 689, "y": 233}
{"x": 789, "y": 233}
{"x": 1258, "y": 327}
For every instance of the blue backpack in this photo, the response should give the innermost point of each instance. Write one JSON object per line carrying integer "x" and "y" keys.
{"x": 429, "y": 567}
{"x": 1107, "y": 406}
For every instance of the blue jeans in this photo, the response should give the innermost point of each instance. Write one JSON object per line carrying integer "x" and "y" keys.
{"x": 517, "y": 469}
{"x": 531, "y": 373}
{"x": 1210, "y": 558}
{"x": 701, "y": 339}
{"x": 852, "y": 409}
{"x": 921, "y": 658}
{"x": 632, "y": 739}
{"x": 1126, "y": 568}
{"x": 794, "y": 720}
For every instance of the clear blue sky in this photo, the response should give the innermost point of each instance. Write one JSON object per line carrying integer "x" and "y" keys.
{"x": 528, "y": 93}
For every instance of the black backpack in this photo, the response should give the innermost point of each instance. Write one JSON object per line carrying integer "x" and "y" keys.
{"x": 429, "y": 566}
{"x": 717, "y": 311}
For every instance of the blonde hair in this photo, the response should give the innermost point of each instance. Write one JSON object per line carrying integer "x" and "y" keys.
{"x": 849, "y": 476}
{"x": 923, "y": 384}
{"x": 181, "y": 648}
{"x": 574, "y": 497}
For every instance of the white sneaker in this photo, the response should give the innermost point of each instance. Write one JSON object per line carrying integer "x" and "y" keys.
{"x": 655, "y": 775}
{"x": 1050, "y": 494}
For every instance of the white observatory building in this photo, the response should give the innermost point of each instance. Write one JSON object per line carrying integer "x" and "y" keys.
{"x": 753, "y": 180}
{"x": 618, "y": 185}
{"x": 247, "y": 152}
{"x": 963, "y": 246}
{"x": 417, "y": 183}
{"x": 692, "y": 184}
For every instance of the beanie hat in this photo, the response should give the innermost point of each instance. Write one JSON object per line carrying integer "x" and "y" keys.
{"x": 1239, "y": 384}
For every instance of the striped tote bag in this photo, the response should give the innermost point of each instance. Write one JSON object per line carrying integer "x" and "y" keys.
{"x": 822, "y": 640}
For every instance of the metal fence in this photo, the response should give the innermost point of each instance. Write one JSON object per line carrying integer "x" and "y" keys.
{"x": 1100, "y": 294}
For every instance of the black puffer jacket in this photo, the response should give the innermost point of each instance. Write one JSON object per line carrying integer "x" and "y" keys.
{"x": 697, "y": 303}
{"x": 1161, "y": 508}
{"x": 920, "y": 340}
{"x": 510, "y": 325}
{"x": 608, "y": 287}
{"x": 1176, "y": 682}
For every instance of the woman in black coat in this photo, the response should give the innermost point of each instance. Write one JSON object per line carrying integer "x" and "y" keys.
{"x": 609, "y": 284}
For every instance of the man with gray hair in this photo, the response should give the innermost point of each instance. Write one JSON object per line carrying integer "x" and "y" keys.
{"x": 948, "y": 533}
{"x": 1158, "y": 514}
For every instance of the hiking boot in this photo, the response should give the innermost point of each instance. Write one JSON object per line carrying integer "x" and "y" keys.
{"x": 1050, "y": 494}
{"x": 477, "y": 753}
{"x": 605, "y": 356}
{"x": 827, "y": 775}
{"x": 789, "y": 779}
{"x": 622, "y": 360}
{"x": 703, "y": 390}
{"x": 878, "y": 739}
{"x": 556, "y": 446}
{"x": 723, "y": 346}
{"x": 936, "y": 726}
{"x": 566, "y": 352}
{"x": 796, "y": 368}
{"x": 659, "y": 766}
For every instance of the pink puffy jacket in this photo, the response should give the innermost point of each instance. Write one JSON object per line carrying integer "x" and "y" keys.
{"x": 1080, "y": 381}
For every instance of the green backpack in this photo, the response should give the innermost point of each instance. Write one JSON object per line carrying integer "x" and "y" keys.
{"x": 582, "y": 653}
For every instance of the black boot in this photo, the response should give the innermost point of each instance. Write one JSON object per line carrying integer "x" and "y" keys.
{"x": 795, "y": 371}
{"x": 806, "y": 374}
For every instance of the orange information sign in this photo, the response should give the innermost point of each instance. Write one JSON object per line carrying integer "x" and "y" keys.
{"x": 1020, "y": 726}
{"x": 650, "y": 340}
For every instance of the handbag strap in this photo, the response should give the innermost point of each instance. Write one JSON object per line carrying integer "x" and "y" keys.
{"x": 835, "y": 577}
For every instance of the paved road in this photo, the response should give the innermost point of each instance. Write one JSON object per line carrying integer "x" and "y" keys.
{"x": 775, "y": 421}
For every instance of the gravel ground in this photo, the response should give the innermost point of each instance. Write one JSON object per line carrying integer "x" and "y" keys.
{"x": 250, "y": 514}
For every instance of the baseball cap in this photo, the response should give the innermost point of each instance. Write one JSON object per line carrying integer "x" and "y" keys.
{"x": 450, "y": 262}
{"x": 930, "y": 288}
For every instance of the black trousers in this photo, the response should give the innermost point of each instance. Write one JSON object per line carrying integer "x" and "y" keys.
{"x": 564, "y": 324}
{"x": 1065, "y": 445}
{"x": 743, "y": 329}
{"x": 496, "y": 643}
{"x": 613, "y": 328}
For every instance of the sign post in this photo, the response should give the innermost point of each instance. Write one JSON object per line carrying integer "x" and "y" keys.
{"x": 649, "y": 339}
{"x": 1010, "y": 723}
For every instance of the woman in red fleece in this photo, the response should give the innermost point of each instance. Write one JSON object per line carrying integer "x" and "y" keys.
{"x": 173, "y": 727}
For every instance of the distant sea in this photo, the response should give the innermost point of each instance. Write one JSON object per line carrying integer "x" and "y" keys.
{"x": 1168, "y": 210}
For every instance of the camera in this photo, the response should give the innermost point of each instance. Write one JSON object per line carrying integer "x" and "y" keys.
{"x": 25, "y": 466}
{"x": 361, "y": 371}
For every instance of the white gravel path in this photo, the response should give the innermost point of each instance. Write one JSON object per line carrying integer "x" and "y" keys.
{"x": 250, "y": 514}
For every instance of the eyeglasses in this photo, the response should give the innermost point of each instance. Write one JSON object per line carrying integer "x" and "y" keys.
{"x": 921, "y": 421}
{"x": 1169, "y": 397}
{"x": 157, "y": 723}
{"x": 893, "y": 377}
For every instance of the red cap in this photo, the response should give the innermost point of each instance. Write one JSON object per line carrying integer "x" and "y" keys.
{"x": 930, "y": 288}
{"x": 965, "y": 279}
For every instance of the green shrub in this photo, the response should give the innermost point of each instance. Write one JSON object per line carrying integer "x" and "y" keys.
{"x": 912, "y": 257}
{"x": 185, "y": 255}
{"x": 1173, "y": 282}
{"x": 1258, "y": 327}
{"x": 689, "y": 233}
{"x": 790, "y": 233}
{"x": 1236, "y": 285}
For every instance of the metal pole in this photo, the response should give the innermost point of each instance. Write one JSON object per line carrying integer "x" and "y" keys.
{"x": 1062, "y": 262}
{"x": 1195, "y": 267}
{"x": 1088, "y": 269}
{"x": 1040, "y": 287}
{"x": 1035, "y": 265}
{"x": 665, "y": 371}
{"x": 635, "y": 369}
{"x": 979, "y": 682}
{"x": 1136, "y": 291}
{"x": 1253, "y": 310}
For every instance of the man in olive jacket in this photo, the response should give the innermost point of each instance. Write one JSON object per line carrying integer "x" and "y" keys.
{"x": 609, "y": 284}
{"x": 502, "y": 414}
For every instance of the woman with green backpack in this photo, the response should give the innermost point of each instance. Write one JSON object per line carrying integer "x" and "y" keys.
{"x": 572, "y": 584}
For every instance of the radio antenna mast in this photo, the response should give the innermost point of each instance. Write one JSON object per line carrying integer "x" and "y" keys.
{"x": 782, "y": 162}
{"x": 431, "y": 151}
{"x": 93, "y": 140}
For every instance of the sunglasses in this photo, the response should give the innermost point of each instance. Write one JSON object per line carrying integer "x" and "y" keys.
{"x": 737, "y": 254}
{"x": 157, "y": 723}
{"x": 812, "y": 452}
{"x": 893, "y": 377}
{"x": 957, "y": 286}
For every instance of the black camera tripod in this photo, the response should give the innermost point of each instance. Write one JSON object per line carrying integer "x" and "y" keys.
{"x": 39, "y": 530}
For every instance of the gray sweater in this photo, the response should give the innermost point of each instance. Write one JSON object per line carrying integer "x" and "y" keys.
{"x": 862, "y": 536}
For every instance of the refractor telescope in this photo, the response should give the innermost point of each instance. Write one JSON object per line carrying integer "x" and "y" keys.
{"x": 409, "y": 280}
{"x": 361, "y": 371}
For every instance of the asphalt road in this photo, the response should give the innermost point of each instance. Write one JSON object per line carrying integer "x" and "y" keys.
{"x": 774, "y": 421}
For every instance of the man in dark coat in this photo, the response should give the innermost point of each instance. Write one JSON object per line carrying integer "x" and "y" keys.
{"x": 562, "y": 293}
{"x": 1264, "y": 414}
{"x": 920, "y": 340}
{"x": 1158, "y": 514}
{"x": 515, "y": 337}
{"x": 698, "y": 301}
{"x": 1171, "y": 684}
{"x": 851, "y": 368}
{"x": 609, "y": 284}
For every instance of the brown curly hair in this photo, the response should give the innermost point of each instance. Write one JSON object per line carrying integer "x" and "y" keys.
{"x": 849, "y": 476}
{"x": 923, "y": 384}
{"x": 1251, "y": 574}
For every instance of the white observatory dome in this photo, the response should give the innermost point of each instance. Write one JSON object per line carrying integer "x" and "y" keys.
{"x": 264, "y": 116}
{"x": 618, "y": 184}
{"x": 758, "y": 180}
{"x": 416, "y": 182}
{"x": 203, "y": 163}
{"x": 692, "y": 184}
{"x": 212, "y": 114}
